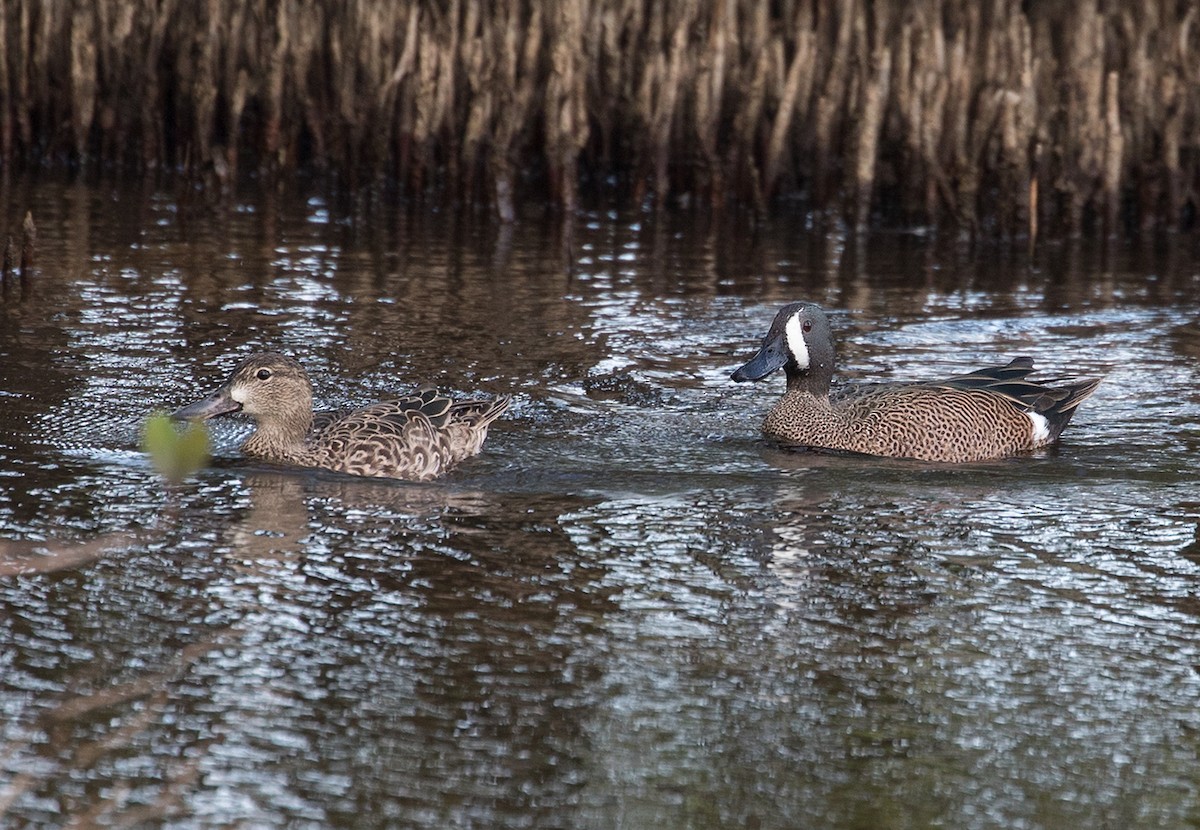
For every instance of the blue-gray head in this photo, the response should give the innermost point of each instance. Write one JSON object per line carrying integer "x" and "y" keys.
{"x": 799, "y": 342}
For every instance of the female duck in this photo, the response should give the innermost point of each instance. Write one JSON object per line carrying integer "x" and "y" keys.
{"x": 989, "y": 413}
{"x": 418, "y": 436}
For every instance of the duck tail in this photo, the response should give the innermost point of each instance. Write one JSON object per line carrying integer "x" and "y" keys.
{"x": 1067, "y": 399}
{"x": 480, "y": 412}
{"x": 497, "y": 407}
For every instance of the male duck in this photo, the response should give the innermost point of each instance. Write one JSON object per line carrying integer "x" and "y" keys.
{"x": 418, "y": 436}
{"x": 989, "y": 413}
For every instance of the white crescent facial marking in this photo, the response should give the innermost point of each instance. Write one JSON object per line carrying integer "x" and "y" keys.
{"x": 795, "y": 341}
{"x": 1041, "y": 428}
{"x": 238, "y": 393}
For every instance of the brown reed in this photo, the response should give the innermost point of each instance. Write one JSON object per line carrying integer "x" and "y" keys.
{"x": 997, "y": 115}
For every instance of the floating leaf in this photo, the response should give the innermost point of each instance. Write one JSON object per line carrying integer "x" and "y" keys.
{"x": 175, "y": 452}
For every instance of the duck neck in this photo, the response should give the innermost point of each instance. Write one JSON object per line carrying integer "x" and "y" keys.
{"x": 815, "y": 383}
{"x": 283, "y": 436}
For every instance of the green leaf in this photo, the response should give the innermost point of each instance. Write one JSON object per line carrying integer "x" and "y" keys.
{"x": 175, "y": 452}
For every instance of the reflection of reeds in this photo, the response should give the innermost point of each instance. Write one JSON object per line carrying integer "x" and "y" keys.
{"x": 72, "y": 740}
{"x": 12, "y": 262}
{"x": 994, "y": 113}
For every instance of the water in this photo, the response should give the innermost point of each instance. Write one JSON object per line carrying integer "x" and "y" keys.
{"x": 629, "y": 611}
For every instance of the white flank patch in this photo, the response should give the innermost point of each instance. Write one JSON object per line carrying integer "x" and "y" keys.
{"x": 1041, "y": 428}
{"x": 795, "y": 341}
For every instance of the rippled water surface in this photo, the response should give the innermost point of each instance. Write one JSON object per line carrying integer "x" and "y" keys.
{"x": 630, "y": 611}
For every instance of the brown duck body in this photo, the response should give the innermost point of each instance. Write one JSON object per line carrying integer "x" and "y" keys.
{"x": 990, "y": 413}
{"x": 940, "y": 421}
{"x": 417, "y": 436}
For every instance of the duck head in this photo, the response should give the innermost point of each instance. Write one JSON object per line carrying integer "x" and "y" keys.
{"x": 272, "y": 388}
{"x": 799, "y": 342}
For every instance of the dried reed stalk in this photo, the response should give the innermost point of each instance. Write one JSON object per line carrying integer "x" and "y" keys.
{"x": 916, "y": 110}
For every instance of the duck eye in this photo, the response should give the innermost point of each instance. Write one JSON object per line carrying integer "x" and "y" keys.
{"x": 264, "y": 374}
{"x": 807, "y": 326}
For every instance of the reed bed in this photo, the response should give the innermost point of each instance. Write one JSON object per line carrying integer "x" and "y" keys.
{"x": 993, "y": 114}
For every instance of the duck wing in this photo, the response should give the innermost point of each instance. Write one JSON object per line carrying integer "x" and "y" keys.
{"x": 418, "y": 436}
{"x": 1054, "y": 398}
{"x": 1007, "y": 381}
{"x": 381, "y": 441}
{"x": 323, "y": 419}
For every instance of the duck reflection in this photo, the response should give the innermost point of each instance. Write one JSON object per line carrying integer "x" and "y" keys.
{"x": 863, "y": 536}
{"x": 469, "y": 614}
{"x": 1185, "y": 338}
{"x": 283, "y": 505}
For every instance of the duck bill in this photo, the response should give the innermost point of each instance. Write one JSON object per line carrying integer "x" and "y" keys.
{"x": 770, "y": 357}
{"x": 218, "y": 403}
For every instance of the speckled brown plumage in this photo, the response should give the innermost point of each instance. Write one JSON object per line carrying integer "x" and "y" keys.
{"x": 417, "y": 437}
{"x": 989, "y": 413}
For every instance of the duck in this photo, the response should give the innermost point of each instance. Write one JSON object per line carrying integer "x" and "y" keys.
{"x": 986, "y": 414}
{"x": 418, "y": 436}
